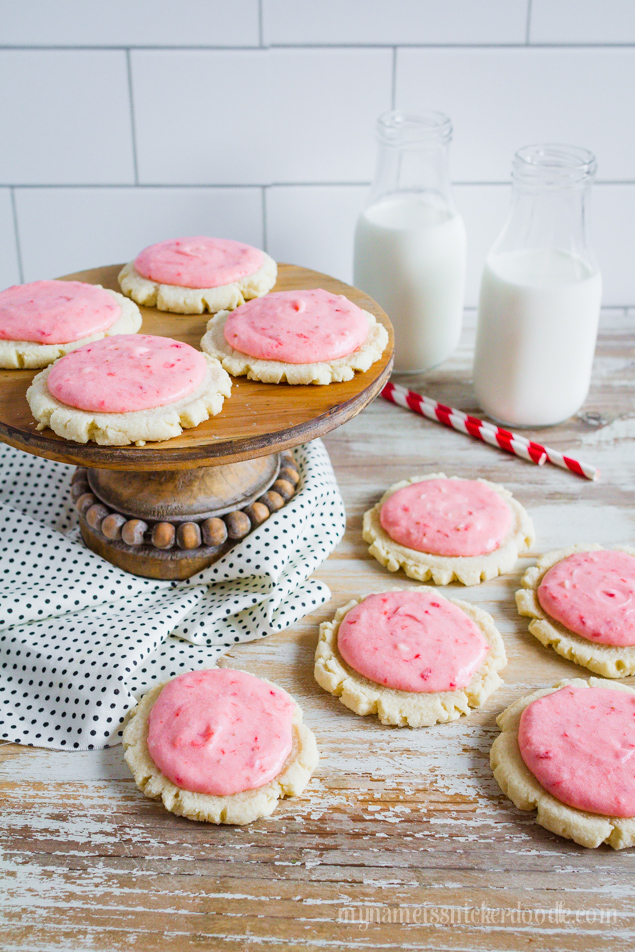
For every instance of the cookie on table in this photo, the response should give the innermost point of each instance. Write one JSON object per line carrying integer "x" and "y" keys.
{"x": 219, "y": 745}
{"x": 564, "y": 751}
{"x": 582, "y": 603}
{"x": 193, "y": 275}
{"x": 128, "y": 389}
{"x": 297, "y": 337}
{"x": 43, "y": 320}
{"x": 410, "y": 656}
{"x": 445, "y": 529}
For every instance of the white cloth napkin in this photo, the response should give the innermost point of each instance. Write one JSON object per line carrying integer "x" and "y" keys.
{"x": 81, "y": 640}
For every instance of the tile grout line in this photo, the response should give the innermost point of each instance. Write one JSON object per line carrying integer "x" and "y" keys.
{"x": 394, "y": 78}
{"x": 528, "y": 24}
{"x": 16, "y": 230}
{"x": 133, "y": 128}
{"x": 261, "y": 34}
{"x": 264, "y": 218}
{"x": 357, "y": 183}
{"x": 349, "y": 45}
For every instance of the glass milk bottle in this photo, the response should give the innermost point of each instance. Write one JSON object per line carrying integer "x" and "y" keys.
{"x": 540, "y": 294}
{"x": 410, "y": 240}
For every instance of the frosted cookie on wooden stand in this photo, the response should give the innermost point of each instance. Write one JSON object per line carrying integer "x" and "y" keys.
{"x": 128, "y": 389}
{"x": 219, "y": 745}
{"x": 566, "y": 751}
{"x": 412, "y": 657}
{"x": 582, "y": 603}
{"x": 432, "y": 527}
{"x": 44, "y": 320}
{"x": 297, "y": 337}
{"x": 193, "y": 275}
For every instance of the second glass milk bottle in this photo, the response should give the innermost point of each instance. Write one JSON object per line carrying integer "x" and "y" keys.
{"x": 410, "y": 240}
{"x": 540, "y": 294}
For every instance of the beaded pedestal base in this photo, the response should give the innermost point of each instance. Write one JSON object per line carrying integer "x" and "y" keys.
{"x": 180, "y": 535}
{"x": 171, "y": 524}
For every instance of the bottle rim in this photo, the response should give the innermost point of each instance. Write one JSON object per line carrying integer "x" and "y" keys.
{"x": 554, "y": 165}
{"x": 426, "y": 129}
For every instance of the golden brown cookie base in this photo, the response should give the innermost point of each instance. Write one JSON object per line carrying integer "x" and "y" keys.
{"x": 276, "y": 371}
{"x": 138, "y": 426}
{"x": 519, "y": 784}
{"x": 407, "y": 708}
{"x": 25, "y": 354}
{"x": 611, "y": 661}
{"x": 235, "y": 808}
{"x": 179, "y": 300}
{"x": 468, "y": 570}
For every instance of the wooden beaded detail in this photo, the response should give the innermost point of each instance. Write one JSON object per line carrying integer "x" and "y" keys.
{"x": 284, "y": 488}
{"x": 111, "y": 526}
{"x": 238, "y": 525}
{"x": 188, "y": 536}
{"x": 79, "y": 476}
{"x": 290, "y": 475}
{"x": 85, "y": 501}
{"x": 78, "y": 488}
{"x": 95, "y": 515}
{"x": 257, "y": 513}
{"x": 133, "y": 531}
{"x": 272, "y": 500}
{"x": 163, "y": 535}
{"x": 214, "y": 531}
{"x": 217, "y": 532}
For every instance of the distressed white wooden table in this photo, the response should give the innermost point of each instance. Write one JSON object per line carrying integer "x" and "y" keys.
{"x": 402, "y": 839}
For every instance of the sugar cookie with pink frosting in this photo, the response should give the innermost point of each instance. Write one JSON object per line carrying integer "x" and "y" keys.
{"x": 566, "y": 752}
{"x": 297, "y": 337}
{"x": 194, "y": 275}
{"x": 445, "y": 529}
{"x": 130, "y": 388}
{"x": 582, "y": 604}
{"x": 410, "y": 656}
{"x": 219, "y": 745}
{"x": 43, "y": 320}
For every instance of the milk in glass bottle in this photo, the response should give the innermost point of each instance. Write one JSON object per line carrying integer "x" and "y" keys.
{"x": 410, "y": 240}
{"x": 540, "y": 294}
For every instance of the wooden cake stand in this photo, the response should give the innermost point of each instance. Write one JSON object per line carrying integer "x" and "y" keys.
{"x": 166, "y": 510}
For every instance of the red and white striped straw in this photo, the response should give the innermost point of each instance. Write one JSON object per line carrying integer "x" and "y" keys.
{"x": 487, "y": 432}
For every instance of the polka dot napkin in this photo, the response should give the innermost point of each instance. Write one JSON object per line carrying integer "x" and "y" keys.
{"x": 81, "y": 640}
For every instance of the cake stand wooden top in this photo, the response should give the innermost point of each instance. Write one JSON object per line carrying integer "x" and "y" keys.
{"x": 258, "y": 418}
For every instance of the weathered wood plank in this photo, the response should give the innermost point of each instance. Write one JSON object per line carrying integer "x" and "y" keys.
{"x": 402, "y": 839}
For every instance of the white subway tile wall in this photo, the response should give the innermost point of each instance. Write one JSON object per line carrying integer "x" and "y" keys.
{"x": 394, "y": 22}
{"x": 201, "y": 116}
{"x": 9, "y": 264}
{"x": 127, "y": 23}
{"x": 323, "y": 111}
{"x": 65, "y": 230}
{"x": 502, "y": 99}
{"x": 314, "y": 223}
{"x": 65, "y": 118}
{"x": 582, "y": 21}
{"x": 484, "y": 209}
{"x": 613, "y": 217}
{"x": 128, "y": 122}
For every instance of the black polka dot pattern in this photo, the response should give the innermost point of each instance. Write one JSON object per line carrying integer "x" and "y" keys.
{"x": 81, "y": 640}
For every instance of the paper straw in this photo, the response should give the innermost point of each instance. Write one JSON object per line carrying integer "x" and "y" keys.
{"x": 487, "y": 432}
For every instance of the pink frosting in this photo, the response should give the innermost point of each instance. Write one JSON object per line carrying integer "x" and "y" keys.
{"x": 411, "y": 641}
{"x": 579, "y": 743}
{"x": 593, "y": 594}
{"x": 447, "y": 517}
{"x": 198, "y": 262}
{"x": 55, "y": 312}
{"x": 220, "y": 731}
{"x": 297, "y": 327}
{"x": 126, "y": 372}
